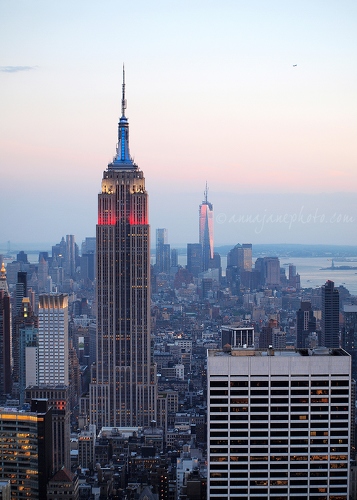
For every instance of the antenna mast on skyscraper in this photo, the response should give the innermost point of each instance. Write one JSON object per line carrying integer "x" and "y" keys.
{"x": 123, "y": 100}
{"x": 206, "y": 193}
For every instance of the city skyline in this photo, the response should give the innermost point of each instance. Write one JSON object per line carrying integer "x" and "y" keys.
{"x": 256, "y": 99}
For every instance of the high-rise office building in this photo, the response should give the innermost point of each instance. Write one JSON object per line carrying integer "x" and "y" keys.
{"x": 88, "y": 260}
{"x": 42, "y": 274}
{"x": 24, "y": 349}
{"x": 22, "y": 257}
{"x": 305, "y": 324}
{"x": 162, "y": 251}
{"x": 58, "y": 399}
{"x": 26, "y": 450}
{"x": 71, "y": 255}
{"x": 279, "y": 424}
{"x": 5, "y": 337}
{"x": 174, "y": 257}
{"x": 194, "y": 258}
{"x": 53, "y": 371}
{"x": 239, "y": 267}
{"x": 272, "y": 271}
{"x": 53, "y": 339}
{"x": 206, "y": 230}
{"x": 21, "y": 290}
{"x": 330, "y": 304}
{"x": 123, "y": 391}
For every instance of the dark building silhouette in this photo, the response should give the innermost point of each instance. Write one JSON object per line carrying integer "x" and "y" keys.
{"x": 330, "y": 302}
{"x": 5, "y": 338}
{"x": 162, "y": 252}
{"x": 24, "y": 334}
{"x": 182, "y": 278}
{"x": 349, "y": 335}
{"x": 194, "y": 258}
{"x": 22, "y": 257}
{"x": 64, "y": 484}
{"x": 269, "y": 270}
{"x": 174, "y": 257}
{"x": 21, "y": 290}
{"x": 57, "y": 397}
{"x": 266, "y": 334}
{"x": 305, "y": 324}
{"x": 88, "y": 267}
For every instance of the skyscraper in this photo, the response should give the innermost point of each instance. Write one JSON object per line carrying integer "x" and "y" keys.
{"x": 194, "y": 258}
{"x": 161, "y": 240}
{"x": 305, "y": 324}
{"x": 53, "y": 371}
{"x": 70, "y": 256}
{"x": 123, "y": 389}
{"x": 5, "y": 337}
{"x": 53, "y": 339}
{"x": 206, "y": 230}
{"x": 26, "y": 449}
{"x": 24, "y": 349}
{"x": 330, "y": 303}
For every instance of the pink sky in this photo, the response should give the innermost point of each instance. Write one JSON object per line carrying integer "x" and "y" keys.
{"x": 212, "y": 95}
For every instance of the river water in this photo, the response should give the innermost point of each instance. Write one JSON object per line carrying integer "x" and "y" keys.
{"x": 312, "y": 273}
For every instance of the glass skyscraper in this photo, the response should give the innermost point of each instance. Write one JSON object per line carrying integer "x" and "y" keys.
{"x": 206, "y": 231}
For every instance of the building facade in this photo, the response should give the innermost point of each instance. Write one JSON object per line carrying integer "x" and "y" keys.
{"x": 163, "y": 257}
{"x": 194, "y": 258}
{"x": 58, "y": 400}
{"x": 279, "y": 424}
{"x": 123, "y": 389}
{"x": 26, "y": 450}
{"x": 305, "y": 324}
{"x": 53, "y": 339}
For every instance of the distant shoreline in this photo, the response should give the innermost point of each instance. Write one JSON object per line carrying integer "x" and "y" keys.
{"x": 338, "y": 268}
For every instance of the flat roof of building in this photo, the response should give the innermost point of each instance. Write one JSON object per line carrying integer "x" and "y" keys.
{"x": 240, "y": 351}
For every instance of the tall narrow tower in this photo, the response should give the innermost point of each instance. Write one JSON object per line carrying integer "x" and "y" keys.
{"x": 5, "y": 338}
{"x": 330, "y": 315}
{"x": 123, "y": 389}
{"x": 206, "y": 230}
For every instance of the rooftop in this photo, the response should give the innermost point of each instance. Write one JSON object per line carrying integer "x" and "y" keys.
{"x": 318, "y": 351}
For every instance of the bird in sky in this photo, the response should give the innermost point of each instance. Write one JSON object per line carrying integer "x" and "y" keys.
{"x": 294, "y": 65}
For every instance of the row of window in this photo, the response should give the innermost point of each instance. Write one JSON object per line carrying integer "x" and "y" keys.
{"x": 284, "y": 383}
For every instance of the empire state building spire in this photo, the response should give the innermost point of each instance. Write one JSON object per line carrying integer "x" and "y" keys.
{"x": 122, "y": 158}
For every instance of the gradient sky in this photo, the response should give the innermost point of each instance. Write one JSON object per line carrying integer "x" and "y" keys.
{"x": 213, "y": 95}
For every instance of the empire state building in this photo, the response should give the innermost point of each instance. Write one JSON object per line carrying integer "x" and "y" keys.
{"x": 123, "y": 389}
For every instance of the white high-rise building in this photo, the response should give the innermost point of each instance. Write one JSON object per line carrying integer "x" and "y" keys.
{"x": 279, "y": 424}
{"x": 53, "y": 339}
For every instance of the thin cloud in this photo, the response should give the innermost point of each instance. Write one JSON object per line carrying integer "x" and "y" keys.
{"x": 16, "y": 69}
